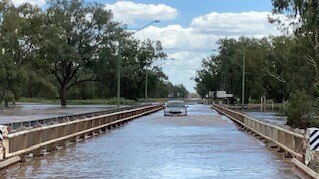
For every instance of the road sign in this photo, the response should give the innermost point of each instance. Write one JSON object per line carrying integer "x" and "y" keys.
{"x": 221, "y": 94}
{"x": 314, "y": 139}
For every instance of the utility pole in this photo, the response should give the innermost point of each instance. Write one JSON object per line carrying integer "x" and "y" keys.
{"x": 243, "y": 82}
{"x": 243, "y": 66}
{"x": 119, "y": 65}
{"x": 119, "y": 73}
{"x": 146, "y": 83}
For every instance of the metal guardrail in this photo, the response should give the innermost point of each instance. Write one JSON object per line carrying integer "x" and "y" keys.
{"x": 47, "y": 137}
{"x": 292, "y": 143}
{"x": 12, "y": 127}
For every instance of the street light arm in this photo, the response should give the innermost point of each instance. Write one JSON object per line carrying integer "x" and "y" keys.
{"x": 156, "y": 21}
{"x": 119, "y": 67}
{"x": 232, "y": 60}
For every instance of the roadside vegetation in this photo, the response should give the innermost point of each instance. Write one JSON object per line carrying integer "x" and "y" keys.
{"x": 282, "y": 68}
{"x": 111, "y": 101}
{"x": 70, "y": 50}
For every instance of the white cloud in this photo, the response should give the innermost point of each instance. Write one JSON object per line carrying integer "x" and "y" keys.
{"x": 230, "y": 24}
{"x": 188, "y": 46}
{"x": 176, "y": 37}
{"x": 128, "y": 12}
{"x": 34, "y": 2}
{"x": 183, "y": 67}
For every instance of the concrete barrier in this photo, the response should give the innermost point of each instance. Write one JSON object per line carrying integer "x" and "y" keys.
{"x": 48, "y": 137}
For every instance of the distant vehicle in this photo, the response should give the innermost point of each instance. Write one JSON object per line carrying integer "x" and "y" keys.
{"x": 175, "y": 108}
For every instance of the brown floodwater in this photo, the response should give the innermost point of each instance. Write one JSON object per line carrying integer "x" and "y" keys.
{"x": 202, "y": 145}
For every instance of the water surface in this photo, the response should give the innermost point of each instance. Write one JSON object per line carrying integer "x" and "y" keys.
{"x": 202, "y": 145}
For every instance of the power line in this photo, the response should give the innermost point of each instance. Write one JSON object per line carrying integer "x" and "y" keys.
{"x": 189, "y": 49}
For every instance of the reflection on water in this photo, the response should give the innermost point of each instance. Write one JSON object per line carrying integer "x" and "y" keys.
{"x": 201, "y": 145}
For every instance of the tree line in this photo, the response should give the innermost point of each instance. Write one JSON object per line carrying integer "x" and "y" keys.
{"x": 70, "y": 50}
{"x": 281, "y": 68}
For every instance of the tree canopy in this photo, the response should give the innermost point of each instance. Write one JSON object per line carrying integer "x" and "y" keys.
{"x": 280, "y": 68}
{"x": 70, "y": 50}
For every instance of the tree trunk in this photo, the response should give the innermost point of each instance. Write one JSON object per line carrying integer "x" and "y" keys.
{"x": 63, "y": 96}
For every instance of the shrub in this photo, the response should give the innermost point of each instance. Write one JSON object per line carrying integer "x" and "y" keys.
{"x": 299, "y": 109}
{"x": 8, "y": 97}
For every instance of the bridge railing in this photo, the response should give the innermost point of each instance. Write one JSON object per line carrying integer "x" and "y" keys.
{"x": 291, "y": 142}
{"x": 47, "y": 137}
{"x": 13, "y": 126}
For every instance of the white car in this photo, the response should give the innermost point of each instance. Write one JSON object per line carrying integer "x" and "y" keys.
{"x": 175, "y": 108}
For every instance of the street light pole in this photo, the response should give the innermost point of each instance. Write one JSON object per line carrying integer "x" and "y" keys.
{"x": 146, "y": 83}
{"x": 119, "y": 73}
{"x": 243, "y": 66}
{"x": 243, "y": 82}
{"x": 119, "y": 64}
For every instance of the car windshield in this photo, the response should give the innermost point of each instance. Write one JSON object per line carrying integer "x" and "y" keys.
{"x": 175, "y": 104}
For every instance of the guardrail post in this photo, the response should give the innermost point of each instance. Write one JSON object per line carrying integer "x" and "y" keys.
{"x": 281, "y": 139}
{"x": 269, "y": 132}
{"x": 290, "y": 142}
{"x": 37, "y": 140}
{"x": 103, "y": 121}
{"x": 299, "y": 145}
{"x": 81, "y": 127}
{"x": 263, "y": 129}
{"x": 51, "y": 135}
{"x": 72, "y": 131}
{"x": 274, "y": 137}
{"x": 60, "y": 133}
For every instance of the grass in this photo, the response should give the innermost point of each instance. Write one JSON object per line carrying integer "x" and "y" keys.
{"x": 38, "y": 100}
{"x": 111, "y": 101}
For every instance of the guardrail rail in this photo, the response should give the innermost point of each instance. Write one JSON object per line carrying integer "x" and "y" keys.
{"x": 293, "y": 144}
{"x": 47, "y": 137}
{"x": 13, "y": 126}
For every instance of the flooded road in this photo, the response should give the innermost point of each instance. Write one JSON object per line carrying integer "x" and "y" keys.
{"x": 33, "y": 111}
{"x": 271, "y": 117}
{"x": 201, "y": 145}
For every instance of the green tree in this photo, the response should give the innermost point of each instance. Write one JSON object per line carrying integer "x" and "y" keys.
{"x": 74, "y": 32}
{"x": 299, "y": 109}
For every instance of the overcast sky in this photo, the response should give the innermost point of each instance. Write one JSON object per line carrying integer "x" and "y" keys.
{"x": 189, "y": 29}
